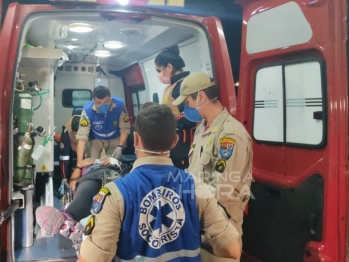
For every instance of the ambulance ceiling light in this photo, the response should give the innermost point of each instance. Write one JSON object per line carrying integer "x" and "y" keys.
{"x": 80, "y": 28}
{"x": 113, "y": 44}
{"x": 74, "y": 39}
{"x": 123, "y": 2}
{"x": 102, "y": 53}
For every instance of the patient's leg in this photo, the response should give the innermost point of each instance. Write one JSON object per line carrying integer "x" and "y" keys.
{"x": 55, "y": 221}
{"x": 81, "y": 205}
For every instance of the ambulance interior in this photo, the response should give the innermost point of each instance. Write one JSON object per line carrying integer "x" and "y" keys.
{"x": 62, "y": 57}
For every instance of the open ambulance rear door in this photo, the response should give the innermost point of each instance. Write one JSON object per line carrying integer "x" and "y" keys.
{"x": 293, "y": 97}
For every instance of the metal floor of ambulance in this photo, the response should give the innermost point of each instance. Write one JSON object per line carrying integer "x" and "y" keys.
{"x": 48, "y": 248}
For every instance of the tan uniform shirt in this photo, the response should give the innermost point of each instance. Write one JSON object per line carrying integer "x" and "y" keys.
{"x": 68, "y": 128}
{"x": 167, "y": 98}
{"x": 101, "y": 244}
{"x": 85, "y": 123}
{"x": 221, "y": 157}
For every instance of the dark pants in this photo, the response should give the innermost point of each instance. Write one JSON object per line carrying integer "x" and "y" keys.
{"x": 81, "y": 205}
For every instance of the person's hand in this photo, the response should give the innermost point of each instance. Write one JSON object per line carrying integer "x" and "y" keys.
{"x": 86, "y": 162}
{"x": 117, "y": 153}
{"x": 105, "y": 161}
{"x": 72, "y": 185}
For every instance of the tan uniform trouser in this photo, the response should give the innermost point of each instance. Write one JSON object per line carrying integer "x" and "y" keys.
{"x": 97, "y": 147}
{"x": 208, "y": 257}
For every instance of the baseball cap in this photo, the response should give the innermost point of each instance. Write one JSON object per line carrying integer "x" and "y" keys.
{"x": 193, "y": 83}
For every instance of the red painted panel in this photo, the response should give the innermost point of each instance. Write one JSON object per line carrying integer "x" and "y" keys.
{"x": 9, "y": 35}
{"x": 223, "y": 72}
{"x": 288, "y": 166}
{"x": 133, "y": 76}
{"x": 1, "y": 7}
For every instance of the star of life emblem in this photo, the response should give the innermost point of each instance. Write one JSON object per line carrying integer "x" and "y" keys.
{"x": 162, "y": 216}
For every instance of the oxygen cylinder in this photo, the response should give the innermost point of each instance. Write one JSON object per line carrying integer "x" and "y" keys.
{"x": 23, "y": 147}
{"x": 22, "y": 110}
{"x": 23, "y": 141}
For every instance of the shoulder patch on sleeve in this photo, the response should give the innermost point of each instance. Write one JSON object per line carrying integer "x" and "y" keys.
{"x": 83, "y": 122}
{"x": 89, "y": 226}
{"x": 99, "y": 200}
{"x": 84, "y": 116}
{"x": 220, "y": 166}
{"x": 126, "y": 118}
{"x": 227, "y": 147}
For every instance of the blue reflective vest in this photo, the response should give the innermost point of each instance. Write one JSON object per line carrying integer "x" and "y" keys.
{"x": 161, "y": 220}
{"x": 105, "y": 127}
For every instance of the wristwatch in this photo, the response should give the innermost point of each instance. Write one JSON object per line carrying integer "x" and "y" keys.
{"x": 78, "y": 168}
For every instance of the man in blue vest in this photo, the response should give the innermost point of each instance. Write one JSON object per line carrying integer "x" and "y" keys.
{"x": 106, "y": 122}
{"x": 157, "y": 212}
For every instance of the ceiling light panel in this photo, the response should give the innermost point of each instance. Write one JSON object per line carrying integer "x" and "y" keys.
{"x": 80, "y": 28}
{"x": 102, "y": 53}
{"x": 113, "y": 44}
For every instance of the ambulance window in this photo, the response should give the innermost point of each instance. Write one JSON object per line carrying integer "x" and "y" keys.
{"x": 304, "y": 103}
{"x": 268, "y": 108}
{"x": 142, "y": 98}
{"x": 289, "y": 106}
{"x": 76, "y": 97}
{"x": 135, "y": 103}
{"x": 139, "y": 97}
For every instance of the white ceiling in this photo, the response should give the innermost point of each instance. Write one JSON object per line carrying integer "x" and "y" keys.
{"x": 140, "y": 38}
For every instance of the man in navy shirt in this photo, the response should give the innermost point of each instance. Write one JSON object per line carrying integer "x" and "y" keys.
{"x": 106, "y": 122}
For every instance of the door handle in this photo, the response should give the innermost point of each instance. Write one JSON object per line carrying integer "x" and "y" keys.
{"x": 318, "y": 115}
{"x": 311, "y": 220}
{"x": 273, "y": 192}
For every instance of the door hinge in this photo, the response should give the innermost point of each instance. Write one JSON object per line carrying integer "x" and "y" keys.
{"x": 17, "y": 203}
{"x": 5, "y": 214}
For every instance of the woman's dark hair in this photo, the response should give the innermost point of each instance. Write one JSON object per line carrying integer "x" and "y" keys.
{"x": 170, "y": 55}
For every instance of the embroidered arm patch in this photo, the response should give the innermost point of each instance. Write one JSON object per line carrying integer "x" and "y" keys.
{"x": 89, "y": 226}
{"x": 220, "y": 166}
{"x": 126, "y": 118}
{"x": 99, "y": 200}
{"x": 83, "y": 122}
{"x": 227, "y": 147}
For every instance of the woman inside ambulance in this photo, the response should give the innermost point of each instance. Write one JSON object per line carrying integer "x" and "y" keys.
{"x": 169, "y": 66}
{"x": 67, "y": 146}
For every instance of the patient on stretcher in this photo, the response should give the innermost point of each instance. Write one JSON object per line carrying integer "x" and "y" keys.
{"x": 86, "y": 181}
